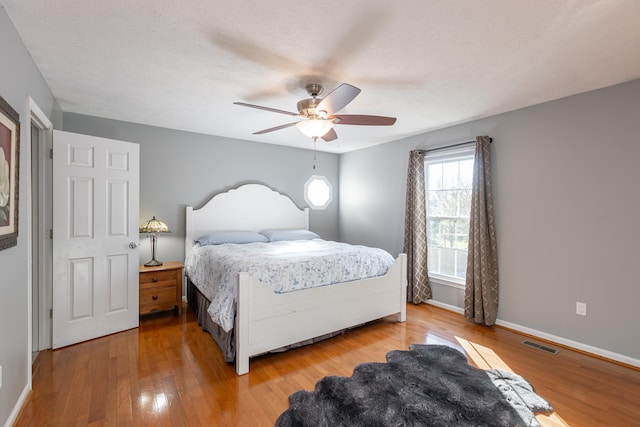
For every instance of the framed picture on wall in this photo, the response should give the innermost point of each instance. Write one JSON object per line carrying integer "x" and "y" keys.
{"x": 9, "y": 174}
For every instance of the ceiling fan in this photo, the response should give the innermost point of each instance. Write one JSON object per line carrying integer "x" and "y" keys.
{"x": 318, "y": 115}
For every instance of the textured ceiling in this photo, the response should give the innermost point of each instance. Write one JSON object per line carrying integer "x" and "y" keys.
{"x": 431, "y": 63}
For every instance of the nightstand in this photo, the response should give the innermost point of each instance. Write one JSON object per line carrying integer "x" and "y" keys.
{"x": 161, "y": 287}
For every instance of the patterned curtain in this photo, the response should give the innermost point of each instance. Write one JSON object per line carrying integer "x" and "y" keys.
{"x": 481, "y": 291}
{"x": 415, "y": 231}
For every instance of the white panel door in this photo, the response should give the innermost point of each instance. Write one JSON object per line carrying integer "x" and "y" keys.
{"x": 95, "y": 234}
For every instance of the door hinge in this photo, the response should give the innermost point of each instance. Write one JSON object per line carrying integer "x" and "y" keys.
{"x": 50, "y": 234}
{"x": 50, "y": 153}
{"x": 51, "y": 313}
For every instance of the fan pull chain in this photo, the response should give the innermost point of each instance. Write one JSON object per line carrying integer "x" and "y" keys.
{"x": 315, "y": 139}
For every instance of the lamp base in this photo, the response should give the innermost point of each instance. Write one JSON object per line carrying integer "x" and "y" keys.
{"x": 153, "y": 263}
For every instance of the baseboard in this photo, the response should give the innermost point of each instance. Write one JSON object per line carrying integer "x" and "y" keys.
{"x": 13, "y": 416}
{"x": 445, "y": 306}
{"x": 574, "y": 345}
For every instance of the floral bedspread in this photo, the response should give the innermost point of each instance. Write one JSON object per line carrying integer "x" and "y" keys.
{"x": 284, "y": 266}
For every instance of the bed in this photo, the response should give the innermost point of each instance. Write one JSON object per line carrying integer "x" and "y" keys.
{"x": 266, "y": 320}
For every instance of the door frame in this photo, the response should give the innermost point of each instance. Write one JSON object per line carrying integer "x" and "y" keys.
{"x": 39, "y": 120}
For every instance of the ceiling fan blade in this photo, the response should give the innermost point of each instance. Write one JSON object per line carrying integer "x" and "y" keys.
{"x": 330, "y": 136}
{"x": 338, "y": 99}
{"x": 273, "y": 110}
{"x": 357, "y": 119}
{"x": 260, "y": 132}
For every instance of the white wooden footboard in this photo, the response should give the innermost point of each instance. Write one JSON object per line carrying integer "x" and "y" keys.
{"x": 266, "y": 320}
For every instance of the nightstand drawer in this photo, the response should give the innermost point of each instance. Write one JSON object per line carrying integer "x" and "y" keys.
{"x": 154, "y": 279}
{"x": 158, "y": 296}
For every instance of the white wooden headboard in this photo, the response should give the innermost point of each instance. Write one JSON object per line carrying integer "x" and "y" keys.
{"x": 253, "y": 207}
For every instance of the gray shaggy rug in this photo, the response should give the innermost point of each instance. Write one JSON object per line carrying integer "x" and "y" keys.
{"x": 429, "y": 385}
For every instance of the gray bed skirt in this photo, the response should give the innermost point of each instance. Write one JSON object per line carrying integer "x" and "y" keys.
{"x": 226, "y": 340}
{"x": 199, "y": 304}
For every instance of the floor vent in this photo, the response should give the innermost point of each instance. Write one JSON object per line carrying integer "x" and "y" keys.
{"x": 541, "y": 347}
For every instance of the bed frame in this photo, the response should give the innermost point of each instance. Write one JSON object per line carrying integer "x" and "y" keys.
{"x": 265, "y": 320}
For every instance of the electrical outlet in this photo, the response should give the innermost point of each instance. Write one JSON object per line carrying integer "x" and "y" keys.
{"x": 581, "y": 308}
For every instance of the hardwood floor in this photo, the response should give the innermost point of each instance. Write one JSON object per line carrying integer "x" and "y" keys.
{"x": 168, "y": 372}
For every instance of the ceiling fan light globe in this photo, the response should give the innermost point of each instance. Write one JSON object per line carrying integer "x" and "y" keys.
{"x": 314, "y": 128}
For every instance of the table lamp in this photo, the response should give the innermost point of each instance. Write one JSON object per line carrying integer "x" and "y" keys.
{"x": 153, "y": 227}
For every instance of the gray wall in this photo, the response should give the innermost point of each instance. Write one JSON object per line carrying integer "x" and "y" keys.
{"x": 19, "y": 78}
{"x": 567, "y": 205}
{"x": 179, "y": 169}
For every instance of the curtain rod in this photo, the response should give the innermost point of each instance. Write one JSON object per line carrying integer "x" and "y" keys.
{"x": 452, "y": 146}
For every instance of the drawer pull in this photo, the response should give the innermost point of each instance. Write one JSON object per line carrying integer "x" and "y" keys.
{"x": 154, "y": 279}
{"x": 155, "y": 297}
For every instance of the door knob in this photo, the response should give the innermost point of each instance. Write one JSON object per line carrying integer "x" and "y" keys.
{"x": 133, "y": 245}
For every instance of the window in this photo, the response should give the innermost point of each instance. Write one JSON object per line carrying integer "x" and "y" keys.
{"x": 448, "y": 179}
{"x": 318, "y": 192}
